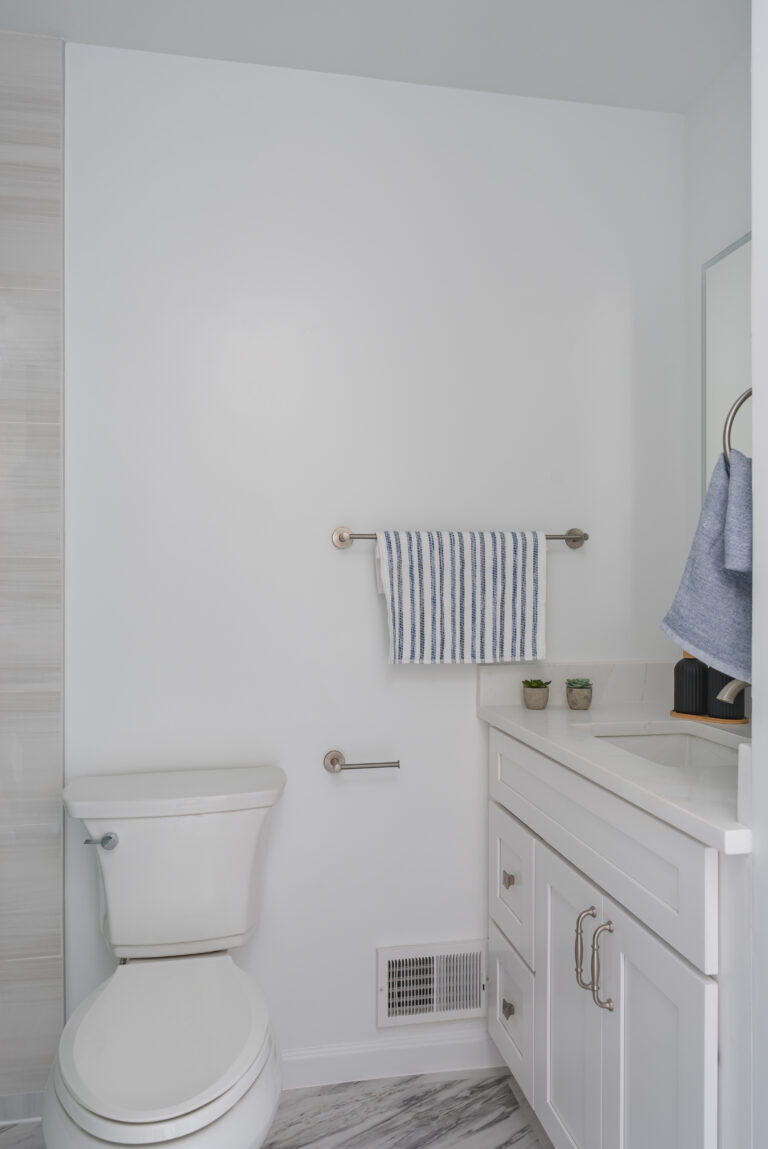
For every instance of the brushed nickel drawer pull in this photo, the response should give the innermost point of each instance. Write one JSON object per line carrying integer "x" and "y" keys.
{"x": 507, "y": 879}
{"x": 579, "y": 947}
{"x": 507, "y": 1008}
{"x": 608, "y": 1003}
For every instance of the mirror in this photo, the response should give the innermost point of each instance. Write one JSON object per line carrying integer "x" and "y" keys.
{"x": 725, "y": 350}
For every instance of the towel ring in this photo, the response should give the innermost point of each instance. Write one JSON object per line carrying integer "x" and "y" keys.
{"x": 729, "y": 423}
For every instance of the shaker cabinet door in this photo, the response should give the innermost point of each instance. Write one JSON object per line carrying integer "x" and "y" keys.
{"x": 659, "y": 1042}
{"x": 567, "y": 1023}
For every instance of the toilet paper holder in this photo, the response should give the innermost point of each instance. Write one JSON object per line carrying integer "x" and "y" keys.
{"x": 335, "y": 762}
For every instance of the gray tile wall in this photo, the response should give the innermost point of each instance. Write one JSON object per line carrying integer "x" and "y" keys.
{"x": 31, "y": 877}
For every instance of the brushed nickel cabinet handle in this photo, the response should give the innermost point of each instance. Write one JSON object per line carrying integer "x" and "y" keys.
{"x": 507, "y": 1008}
{"x": 607, "y": 927}
{"x": 507, "y": 879}
{"x": 579, "y": 947}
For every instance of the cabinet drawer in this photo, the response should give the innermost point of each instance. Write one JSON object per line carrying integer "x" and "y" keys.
{"x": 511, "y": 873}
{"x": 665, "y": 878}
{"x": 510, "y": 1008}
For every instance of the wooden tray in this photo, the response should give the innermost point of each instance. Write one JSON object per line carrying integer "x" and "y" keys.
{"x": 706, "y": 718}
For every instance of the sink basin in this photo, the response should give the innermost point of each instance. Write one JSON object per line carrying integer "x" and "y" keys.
{"x": 687, "y": 762}
{"x": 676, "y": 749}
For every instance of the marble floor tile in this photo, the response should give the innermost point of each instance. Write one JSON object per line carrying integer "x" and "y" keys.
{"x": 29, "y": 1135}
{"x": 434, "y": 1111}
{"x": 477, "y": 1111}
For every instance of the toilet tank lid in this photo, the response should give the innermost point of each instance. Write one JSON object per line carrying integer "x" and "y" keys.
{"x": 167, "y": 793}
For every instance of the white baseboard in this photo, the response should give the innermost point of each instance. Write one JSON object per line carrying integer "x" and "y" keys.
{"x": 389, "y": 1056}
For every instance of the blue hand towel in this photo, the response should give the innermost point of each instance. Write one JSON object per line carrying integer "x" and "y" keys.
{"x": 711, "y": 616}
{"x": 738, "y": 516}
{"x": 463, "y": 596}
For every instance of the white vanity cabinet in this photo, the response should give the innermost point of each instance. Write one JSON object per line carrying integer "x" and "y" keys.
{"x": 643, "y": 1073}
{"x": 631, "y": 1063}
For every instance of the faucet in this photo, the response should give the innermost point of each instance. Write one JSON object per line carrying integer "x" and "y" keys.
{"x": 730, "y": 690}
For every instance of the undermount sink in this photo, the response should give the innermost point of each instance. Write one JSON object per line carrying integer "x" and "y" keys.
{"x": 675, "y": 748}
{"x": 676, "y": 744}
{"x": 686, "y": 761}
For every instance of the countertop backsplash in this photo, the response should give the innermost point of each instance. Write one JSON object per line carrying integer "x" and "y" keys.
{"x": 613, "y": 683}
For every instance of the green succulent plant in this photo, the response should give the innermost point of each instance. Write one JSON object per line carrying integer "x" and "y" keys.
{"x": 579, "y": 683}
{"x": 535, "y": 683}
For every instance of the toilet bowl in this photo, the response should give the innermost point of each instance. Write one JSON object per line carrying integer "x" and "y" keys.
{"x": 176, "y": 1047}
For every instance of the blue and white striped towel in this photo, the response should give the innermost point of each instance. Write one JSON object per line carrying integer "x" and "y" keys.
{"x": 463, "y": 596}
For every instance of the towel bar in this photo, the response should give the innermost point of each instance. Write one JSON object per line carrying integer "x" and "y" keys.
{"x": 343, "y": 537}
{"x": 728, "y": 424}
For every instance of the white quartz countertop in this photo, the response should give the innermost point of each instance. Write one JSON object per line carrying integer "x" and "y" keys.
{"x": 702, "y": 801}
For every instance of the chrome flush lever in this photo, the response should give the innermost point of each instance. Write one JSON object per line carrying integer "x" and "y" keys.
{"x": 106, "y": 841}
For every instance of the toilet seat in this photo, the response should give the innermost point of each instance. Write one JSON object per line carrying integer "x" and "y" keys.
{"x": 153, "y": 1133}
{"x": 162, "y": 1048}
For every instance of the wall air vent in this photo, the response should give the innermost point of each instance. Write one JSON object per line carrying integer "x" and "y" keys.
{"x": 431, "y": 982}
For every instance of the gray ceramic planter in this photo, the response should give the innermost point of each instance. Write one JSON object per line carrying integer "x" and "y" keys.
{"x": 579, "y": 697}
{"x": 535, "y": 697}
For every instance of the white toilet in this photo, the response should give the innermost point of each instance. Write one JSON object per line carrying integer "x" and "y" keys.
{"x": 176, "y": 1047}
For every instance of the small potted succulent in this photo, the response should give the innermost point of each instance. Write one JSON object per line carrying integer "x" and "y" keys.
{"x": 535, "y": 693}
{"x": 578, "y": 692}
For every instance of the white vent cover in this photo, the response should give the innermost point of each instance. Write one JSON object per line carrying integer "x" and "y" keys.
{"x": 431, "y": 982}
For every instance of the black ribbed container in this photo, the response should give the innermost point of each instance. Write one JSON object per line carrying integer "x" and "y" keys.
{"x": 716, "y": 680}
{"x": 691, "y": 686}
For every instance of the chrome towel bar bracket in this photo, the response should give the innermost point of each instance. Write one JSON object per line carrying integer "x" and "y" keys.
{"x": 335, "y": 762}
{"x": 343, "y": 537}
{"x": 729, "y": 423}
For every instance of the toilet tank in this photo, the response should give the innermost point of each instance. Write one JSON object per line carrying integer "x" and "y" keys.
{"x": 181, "y": 877}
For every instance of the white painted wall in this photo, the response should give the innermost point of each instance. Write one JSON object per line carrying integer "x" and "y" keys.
{"x": 717, "y": 163}
{"x": 726, "y": 349}
{"x": 297, "y": 300}
{"x": 656, "y": 54}
{"x": 717, "y": 212}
